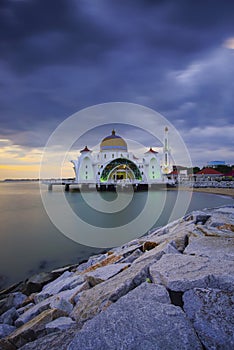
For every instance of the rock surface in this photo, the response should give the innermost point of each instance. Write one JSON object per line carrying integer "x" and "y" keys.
{"x": 183, "y": 272}
{"x": 143, "y": 319}
{"x": 212, "y": 313}
{"x": 172, "y": 288}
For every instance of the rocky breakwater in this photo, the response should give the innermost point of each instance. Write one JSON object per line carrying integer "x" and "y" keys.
{"x": 171, "y": 289}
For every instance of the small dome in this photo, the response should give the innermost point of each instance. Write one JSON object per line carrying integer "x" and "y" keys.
{"x": 113, "y": 143}
{"x": 85, "y": 150}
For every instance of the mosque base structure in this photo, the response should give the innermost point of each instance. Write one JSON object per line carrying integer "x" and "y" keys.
{"x": 106, "y": 187}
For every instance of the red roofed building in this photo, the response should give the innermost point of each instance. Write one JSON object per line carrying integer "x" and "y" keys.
{"x": 207, "y": 174}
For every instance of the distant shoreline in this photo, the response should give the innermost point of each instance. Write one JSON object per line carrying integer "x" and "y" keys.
{"x": 212, "y": 190}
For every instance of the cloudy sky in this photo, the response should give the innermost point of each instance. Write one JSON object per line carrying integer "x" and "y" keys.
{"x": 60, "y": 56}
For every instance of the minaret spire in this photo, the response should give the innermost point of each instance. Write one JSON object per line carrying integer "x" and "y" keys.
{"x": 166, "y": 153}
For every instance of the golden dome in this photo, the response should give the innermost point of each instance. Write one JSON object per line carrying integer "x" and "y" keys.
{"x": 113, "y": 143}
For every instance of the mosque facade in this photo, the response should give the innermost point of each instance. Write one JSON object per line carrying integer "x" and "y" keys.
{"x": 114, "y": 164}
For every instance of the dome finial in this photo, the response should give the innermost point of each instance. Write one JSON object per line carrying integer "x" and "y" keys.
{"x": 113, "y": 132}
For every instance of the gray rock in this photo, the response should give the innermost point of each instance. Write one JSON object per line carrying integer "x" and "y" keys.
{"x": 102, "y": 295}
{"x": 156, "y": 253}
{"x": 106, "y": 272}
{"x": 36, "y": 282}
{"x": 226, "y": 210}
{"x": 128, "y": 248}
{"x": 53, "y": 341}
{"x": 198, "y": 217}
{"x": 213, "y": 247}
{"x": 138, "y": 321}
{"x": 180, "y": 272}
{"x": 218, "y": 231}
{"x": 60, "y": 324}
{"x": 29, "y": 331}
{"x": 61, "y": 304}
{"x": 15, "y": 299}
{"x": 212, "y": 313}
{"x": 92, "y": 261}
{"x": 62, "y": 300}
{"x": 68, "y": 280}
{"x": 25, "y": 308}
{"x": 3, "y": 307}
{"x": 5, "y": 330}
{"x": 133, "y": 256}
{"x": 9, "y": 316}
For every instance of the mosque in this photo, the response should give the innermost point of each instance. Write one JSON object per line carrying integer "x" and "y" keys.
{"x": 114, "y": 164}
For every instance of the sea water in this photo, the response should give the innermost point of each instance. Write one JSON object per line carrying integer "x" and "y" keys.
{"x": 30, "y": 243}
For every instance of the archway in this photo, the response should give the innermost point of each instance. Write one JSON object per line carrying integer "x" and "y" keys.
{"x": 120, "y": 169}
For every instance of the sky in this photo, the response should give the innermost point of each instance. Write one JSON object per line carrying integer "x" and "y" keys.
{"x": 58, "y": 57}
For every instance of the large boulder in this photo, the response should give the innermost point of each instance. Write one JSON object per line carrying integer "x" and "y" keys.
{"x": 213, "y": 247}
{"x": 212, "y": 313}
{"x": 180, "y": 272}
{"x": 143, "y": 319}
{"x": 102, "y": 295}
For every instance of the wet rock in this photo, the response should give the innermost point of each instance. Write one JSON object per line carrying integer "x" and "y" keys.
{"x": 213, "y": 247}
{"x": 36, "y": 282}
{"x": 102, "y": 295}
{"x": 29, "y": 331}
{"x": 9, "y": 316}
{"x": 180, "y": 272}
{"x": 211, "y": 312}
{"x": 5, "y": 330}
{"x": 68, "y": 280}
{"x": 138, "y": 321}
{"x": 60, "y": 324}
{"x": 61, "y": 270}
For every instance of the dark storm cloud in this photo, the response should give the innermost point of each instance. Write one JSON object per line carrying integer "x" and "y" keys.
{"x": 57, "y": 57}
{"x": 35, "y": 33}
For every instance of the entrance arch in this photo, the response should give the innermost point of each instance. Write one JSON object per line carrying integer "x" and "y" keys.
{"x": 120, "y": 169}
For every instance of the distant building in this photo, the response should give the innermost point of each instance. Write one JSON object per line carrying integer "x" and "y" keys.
{"x": 207, "y": 174}
{"x": 114, "y": 163}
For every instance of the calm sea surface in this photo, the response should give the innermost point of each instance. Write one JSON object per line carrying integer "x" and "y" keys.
{"x": 30, "y": 243}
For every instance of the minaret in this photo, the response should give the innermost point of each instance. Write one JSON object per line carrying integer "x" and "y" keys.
{"x": 166, "y": 153}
